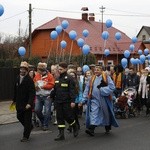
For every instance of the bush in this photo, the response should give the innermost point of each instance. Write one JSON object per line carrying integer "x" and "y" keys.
{"x": 34, "y": 60}
{"x": 16, "y": 63}
{"x": 2, "y": 63}
{"x": 9, "y": 63}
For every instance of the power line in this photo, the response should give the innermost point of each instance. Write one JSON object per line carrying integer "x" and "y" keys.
{"x": 13, "y": 16}
{"x": 125, "y": 15}
{"x": 79, "y": 12}
{"x": 127, "y": 11}
{"x": 56, "y": 10}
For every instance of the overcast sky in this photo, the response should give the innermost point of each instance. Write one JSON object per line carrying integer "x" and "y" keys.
{"x": 127, "y": 15}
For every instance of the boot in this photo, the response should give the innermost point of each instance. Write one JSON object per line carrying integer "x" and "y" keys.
{"x": 108, "y": 128}
{"x": 69, "y": 129}
{"x": 75, "y": 129}
{"x": 60, "y": 136}
{"x": 90, "y": 130}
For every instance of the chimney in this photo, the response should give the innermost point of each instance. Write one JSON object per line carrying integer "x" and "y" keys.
{"x": 84, "y": 14}
{"x": 91, "y": 17}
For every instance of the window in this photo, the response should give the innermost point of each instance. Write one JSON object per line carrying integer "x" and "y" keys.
{"x": 101, "y": 62}
{"x": 110, "y": 62}
{"x": 143, "y": 37}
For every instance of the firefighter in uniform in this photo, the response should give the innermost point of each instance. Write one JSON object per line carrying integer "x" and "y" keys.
{"x": 64, "y": 96}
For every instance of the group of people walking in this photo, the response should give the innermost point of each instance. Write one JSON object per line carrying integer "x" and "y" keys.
{"x": 70, "y": 89}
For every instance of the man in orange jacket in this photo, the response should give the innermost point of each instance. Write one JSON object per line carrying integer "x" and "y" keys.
{"x": 44, "y": 83}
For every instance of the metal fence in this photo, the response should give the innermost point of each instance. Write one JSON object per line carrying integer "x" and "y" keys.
{"x": 7, "y": 80}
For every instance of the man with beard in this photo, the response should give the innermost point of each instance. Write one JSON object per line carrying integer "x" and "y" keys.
{"x": 24, "y": 94}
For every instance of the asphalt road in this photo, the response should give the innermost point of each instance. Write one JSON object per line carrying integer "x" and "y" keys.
{"x": 133, "y": 134}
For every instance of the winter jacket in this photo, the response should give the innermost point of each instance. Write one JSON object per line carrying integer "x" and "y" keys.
{"x": 45, "y": 83}
{"x": 24, "y": 92}
{"x": 64, "y": 89}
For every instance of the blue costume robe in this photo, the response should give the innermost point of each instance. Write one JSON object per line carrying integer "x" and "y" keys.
{"x": 99, "y": 106}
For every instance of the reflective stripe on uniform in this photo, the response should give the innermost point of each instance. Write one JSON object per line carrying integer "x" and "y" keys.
{"x": 61, "y": 126}
{"x": 72, "y": 123}
{"x": 64, "y": 85}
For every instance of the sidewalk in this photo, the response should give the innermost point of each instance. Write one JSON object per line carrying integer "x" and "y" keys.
{"x": 6, "y": 116}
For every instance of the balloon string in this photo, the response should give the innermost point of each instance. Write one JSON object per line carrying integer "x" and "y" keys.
{"x": 57, "y": 48}
{"x": 104, "y": 46}
{"x": 63, "y": 51}
{"x": 85, "y": 40}
{"x": 49, "y": 51}
{"x": 63, "y": 35}
{"x": 70, "y": 51}
{"x": 60, "y": 54}
{"x": 117, "y": 54}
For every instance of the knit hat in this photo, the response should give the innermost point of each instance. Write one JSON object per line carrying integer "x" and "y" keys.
{"x": 42, "y": 66}
{"x": 24, "y": 64}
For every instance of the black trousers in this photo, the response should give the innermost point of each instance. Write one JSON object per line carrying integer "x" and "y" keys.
{"x": 64, "y": 113}
{"x": 25, "y": 118}
{"x": 76, "y": 113}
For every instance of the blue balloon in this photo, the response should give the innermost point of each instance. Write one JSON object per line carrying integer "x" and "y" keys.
{"x": 137, "y": 61}
{"x": 146, "y": 51}
{"x": 124, "y": 62}
{"x": 21, "y": 51}
{"x": 85, "y": 33}
{"x": 118, "y": 36}
{"x": 127, "y": 53}
{"x": 108, "y": 23}
{"x": 134, "y": 39}
{"x": 72, "y": 35}
{"x": 58, "y": 29}
{"x": 63, "y": 44}
{"x": 131, "y": 60}
{"x": 85, "y": 49}
{"x": 148, "y": 57}
{"x": 140, "y": 52}
{"x": 140, "y": 62}
{"x": 142, "y": 58}
{"x": 53, "y": 35}
{"x": 65, "y": 24}
{"x": 80, "y": 42}
{"x": 85, "y": 68}
{"x": 106, "y": 52}
{"x": 105, "y": 35}
{"x": 1, "y": 10}
{"x": 131, "y": 47}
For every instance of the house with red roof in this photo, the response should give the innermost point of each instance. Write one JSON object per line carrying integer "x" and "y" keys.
{"x": 43, "y": 45}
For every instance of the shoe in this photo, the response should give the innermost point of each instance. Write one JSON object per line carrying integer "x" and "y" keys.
{"x": 107, "y": 129}
{"x": 69, "y": 129}
{"x": 60, "y": 136}
{"x": 45, "y": 128}
{"x": 89, "y": 132}
{"x": 24, "y": 139}
{"x": 32, "y": 127}
{"x": 55, "y": 123}
{"x": 75, "y": 130}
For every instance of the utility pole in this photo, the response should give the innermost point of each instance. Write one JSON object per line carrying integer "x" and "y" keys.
{"x": 30, "y": 30}
{"x": 19, "y": 32}
{"x": 102, "y": 11}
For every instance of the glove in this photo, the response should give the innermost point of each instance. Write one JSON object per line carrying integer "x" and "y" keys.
{"x": 102, "y": 84}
